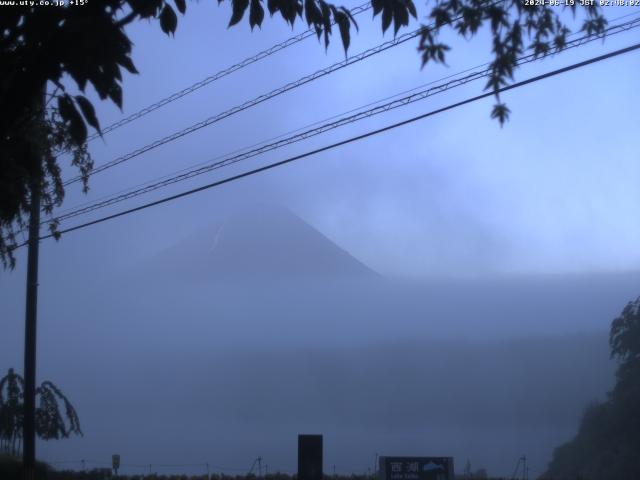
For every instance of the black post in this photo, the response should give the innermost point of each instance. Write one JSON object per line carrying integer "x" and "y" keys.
{"x": 310, "y": 457}
{"x": 29, "y": 430}
{"x": 31, "y": 311}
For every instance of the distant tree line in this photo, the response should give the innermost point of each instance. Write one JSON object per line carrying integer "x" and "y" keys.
{"x": 102, "y": 474}
{"x": 98, "y": 475}
{"x": 10, "y": 470}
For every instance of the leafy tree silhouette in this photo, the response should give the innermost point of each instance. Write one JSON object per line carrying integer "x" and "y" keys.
{"x": 50, "y": 423}
{"x": 35, "y": 53}
{"x": 608, "y": 440}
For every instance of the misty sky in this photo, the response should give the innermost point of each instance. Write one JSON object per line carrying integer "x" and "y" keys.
{"x": 553, "y": 191}
{"x": 536, "y": 221}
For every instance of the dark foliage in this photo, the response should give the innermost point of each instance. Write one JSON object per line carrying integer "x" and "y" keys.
{"x": 50, "y": 422}
{"x": 35, "y": 56}
{"x": 35, "y": 53}
{"x": 48, "y": 473}
{"x": 511, "y": 23}
{"x": 608, "y": 441}
{"x": 11, "y": 468}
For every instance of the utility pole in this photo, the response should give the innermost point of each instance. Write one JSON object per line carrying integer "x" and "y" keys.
{"x": 31, "y": 310}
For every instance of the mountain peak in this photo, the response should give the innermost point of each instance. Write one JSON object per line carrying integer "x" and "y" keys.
{"x": 258, "y": 241}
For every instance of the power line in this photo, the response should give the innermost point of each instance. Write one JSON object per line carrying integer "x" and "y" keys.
{"x": 244, "y": 149}
{"x": 190, "y": 173}
{"x": 258, "y": 100}
{"x": 265, "y": 148}
{"x": 109, "y": 198}
{"x": 222, "y": 73}
{"x": 347, "y": 141}
{"x": 250, "y": 103}
{"x": 414, "y": 97}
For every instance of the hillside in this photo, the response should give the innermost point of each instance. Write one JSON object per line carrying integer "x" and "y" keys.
{"x": 264, "y": 241}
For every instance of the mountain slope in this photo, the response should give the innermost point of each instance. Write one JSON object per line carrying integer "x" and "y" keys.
{"x": 263, "y": 241}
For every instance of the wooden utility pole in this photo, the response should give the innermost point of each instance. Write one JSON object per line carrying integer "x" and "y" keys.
{"x": 29, "y": 427}
{"x": 31, "y": 310}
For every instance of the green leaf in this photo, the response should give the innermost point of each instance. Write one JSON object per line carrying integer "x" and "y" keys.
{"x": 73, "y": 120}
{"x": 238, "y": 9}
{"x": 79, "y": 75}
{"x": 181, "y": 5}
{"x": 256, "y": 14}
{"x": 400, "y": 18}
{"x": 127, "y": 63}
{"x": 312, "y": 13}
{"x": 501, "y": 112}
{"x": 497, "y": 16}
{"x": 343, "y": 25}
{"x": 440, "y": 16}
{"x": 326, "y": 20}
{"x": 440, "y": 50}
{"x": 353, "y": 20}
{"x": 387, "y": 16}
{"x": 560, "y": 41}
{"x": 377, "y": 5}
{"x": 168, "y": 20}
{"x": 273, "y": 6}
{"x": 540, "y": 48}
{"x": 53, "y": 228}
{"x": 290, "y": 9}
{"x": 115, "y": 94}
{"x": 412, "y": 8}
{"x": 111, "y": 69}
{"x": 88, "y": 112}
